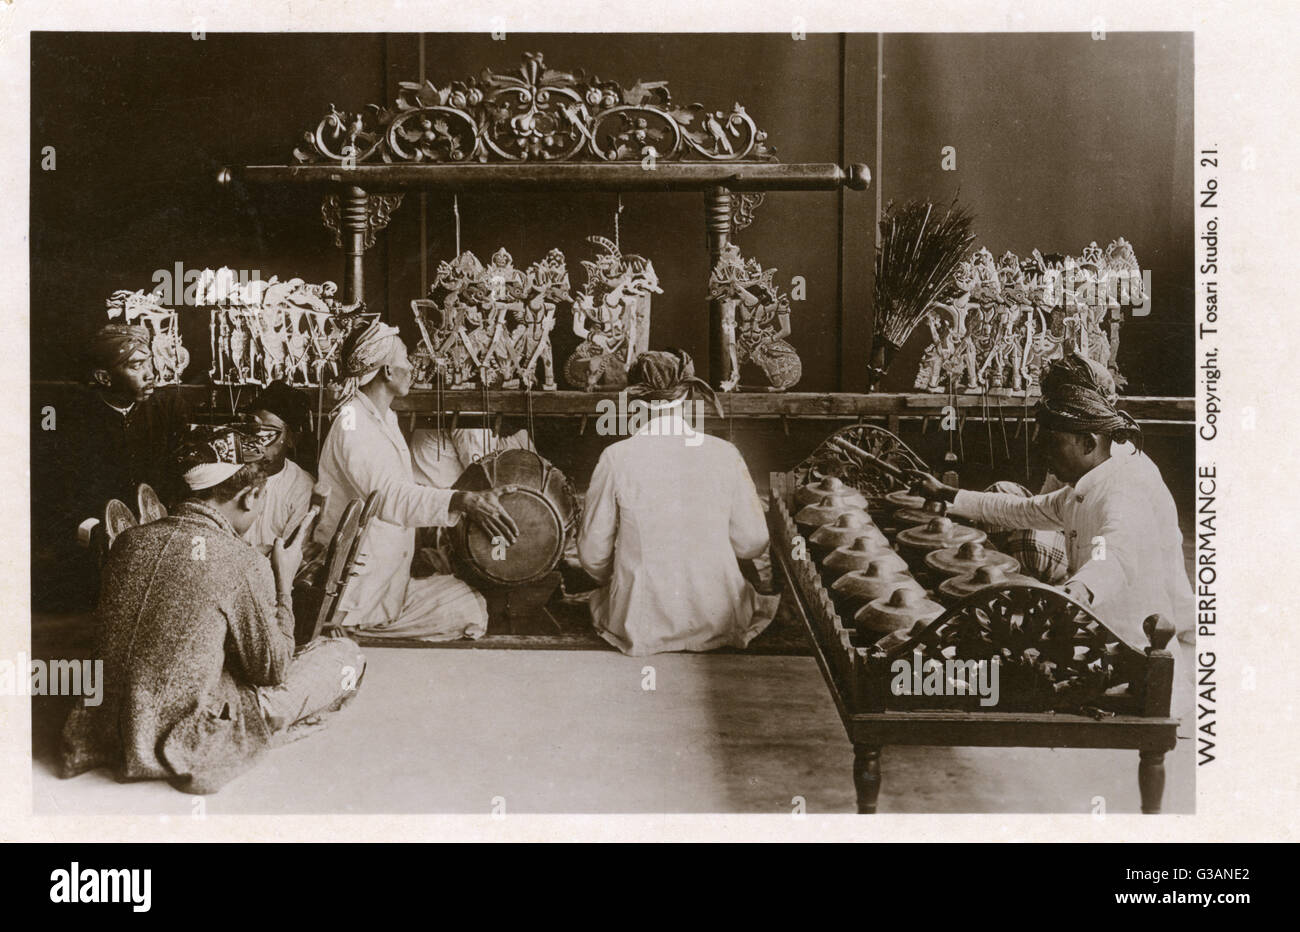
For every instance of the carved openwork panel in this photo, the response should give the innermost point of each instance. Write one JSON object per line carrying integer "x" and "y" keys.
{"x": 1052, "y": 654}
{"x": 536, "y": 114}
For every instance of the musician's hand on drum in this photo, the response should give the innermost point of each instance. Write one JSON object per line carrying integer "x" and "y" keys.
{"x": 922, "y": 483}
{"x": 484, "y": 509}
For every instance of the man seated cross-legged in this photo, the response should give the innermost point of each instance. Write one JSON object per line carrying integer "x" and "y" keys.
{"x": 196, "y": 633}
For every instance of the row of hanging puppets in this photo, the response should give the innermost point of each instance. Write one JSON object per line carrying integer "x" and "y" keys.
{"x": 489, "y": 325}
{"x": 1011, "y": 317}
{"x": 260, "y": 330}
{"x": 484, "y": 325}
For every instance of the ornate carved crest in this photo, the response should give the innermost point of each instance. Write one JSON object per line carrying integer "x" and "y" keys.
{"x": 535, "y": 114}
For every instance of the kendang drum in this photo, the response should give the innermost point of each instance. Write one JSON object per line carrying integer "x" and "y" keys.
{"x": 539, "y": 499}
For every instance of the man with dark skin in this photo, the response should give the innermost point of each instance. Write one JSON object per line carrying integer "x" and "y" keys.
{"x": 1069, "y": 456}
{"x": 364, "y": 452}
{"x": 1123, "y": 542}
{"x": 196, "y": 634}
{"x": 99, "y": 444}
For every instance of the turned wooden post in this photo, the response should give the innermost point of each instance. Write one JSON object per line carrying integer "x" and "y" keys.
{"x": 1151, "y": 779}
{"x": 718, "y": 229}
{"x": 354, "y": 212}
{"x": 1157, "y": 692}
{"x": 866, "y": 776}
{"x": 1157, "y": 700}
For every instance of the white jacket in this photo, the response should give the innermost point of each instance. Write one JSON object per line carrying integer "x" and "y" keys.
{"x": 365, "y": 451}
{"x": 1121, "y": 512}
{"x": 667, "y": 515}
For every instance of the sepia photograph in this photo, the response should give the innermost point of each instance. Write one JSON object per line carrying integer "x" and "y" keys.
{"x": 611, "y": 423}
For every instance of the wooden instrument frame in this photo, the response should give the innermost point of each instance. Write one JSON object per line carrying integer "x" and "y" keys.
{"x": 857, "y": 678}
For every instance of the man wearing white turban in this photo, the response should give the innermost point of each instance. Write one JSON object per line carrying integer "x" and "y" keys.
{"x": 366, "y": 452}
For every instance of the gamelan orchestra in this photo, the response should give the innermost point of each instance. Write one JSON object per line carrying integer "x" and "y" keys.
{"x": 238, "y": 580}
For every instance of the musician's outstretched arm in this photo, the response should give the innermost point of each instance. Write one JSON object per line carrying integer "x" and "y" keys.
{"x": 1042, "y": 512}
{"x": 997, "y": 509}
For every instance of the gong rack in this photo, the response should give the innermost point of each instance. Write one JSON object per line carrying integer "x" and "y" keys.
{"x": 1110, "y": 694}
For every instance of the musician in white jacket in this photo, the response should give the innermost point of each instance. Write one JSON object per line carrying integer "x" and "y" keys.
{"x": 364, "y": 452}
{"x": 1123, "y": 543}
{"x": 668, "y": 514}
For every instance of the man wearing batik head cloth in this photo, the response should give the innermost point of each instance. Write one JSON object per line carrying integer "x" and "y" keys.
{"x": 99, "y": 444}
{"x": 196, "y": 635}
{"x": 1123, "y": 544}
{"x": 669, "y": 514}
{"x": 366, "y": 452}
{"x": 1042, "y": 554}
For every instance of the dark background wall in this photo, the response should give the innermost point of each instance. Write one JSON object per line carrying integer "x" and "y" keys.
{"x": 1060, "y": 140}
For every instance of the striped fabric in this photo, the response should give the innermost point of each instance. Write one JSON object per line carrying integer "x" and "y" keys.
{"x": 1041, "y": 553}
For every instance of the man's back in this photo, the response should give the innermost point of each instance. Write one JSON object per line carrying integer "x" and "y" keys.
{"x": 188, "y": 626}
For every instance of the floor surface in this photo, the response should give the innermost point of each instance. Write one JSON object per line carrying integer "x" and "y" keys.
{"x": 456, "y": 731}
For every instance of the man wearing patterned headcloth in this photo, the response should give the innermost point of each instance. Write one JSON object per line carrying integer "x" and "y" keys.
{"x": 669, "y": 514}
{"x": 196, "y": 636}
{"x": 104, "y": 442}
{"x": 1123, "y": 544}
{"x": 364, "y": 452}
{"x": 283, "y": 415}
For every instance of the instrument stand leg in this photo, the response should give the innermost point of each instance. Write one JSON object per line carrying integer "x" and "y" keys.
{"x": 521, "y": 610}
{"x": 866, "y": 776}
{"x": 1151, "y": 779}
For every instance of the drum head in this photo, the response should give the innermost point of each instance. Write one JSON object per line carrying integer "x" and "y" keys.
{"x": 534, "y": 554}
{"x": 518, "y": 467}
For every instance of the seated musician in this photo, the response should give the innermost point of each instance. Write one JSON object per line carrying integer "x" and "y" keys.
{"x": 197, "y": 637}
{"x": 366, "y": 452}
{"x": 1041, "y": 553}
{"x": 100, "y": 445}
{"x": 1123, "y": 543}
{"x": 668, "y": 514}
{"x": 283, "y": 414}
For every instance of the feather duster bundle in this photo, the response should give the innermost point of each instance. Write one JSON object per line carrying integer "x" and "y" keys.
{"x": 918, "y": 250}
